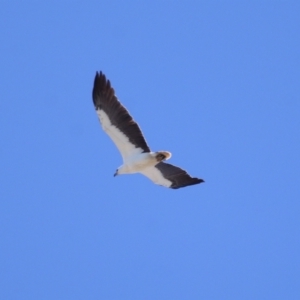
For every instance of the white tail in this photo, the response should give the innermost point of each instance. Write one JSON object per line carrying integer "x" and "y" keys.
{"x": 162, "y": 155}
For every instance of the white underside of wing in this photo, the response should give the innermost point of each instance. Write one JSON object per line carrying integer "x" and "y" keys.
{"x": 156, "y": 176}
{"x": 126, "y": 148}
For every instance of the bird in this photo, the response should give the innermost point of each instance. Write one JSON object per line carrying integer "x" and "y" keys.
{"x": 137, "y": 157}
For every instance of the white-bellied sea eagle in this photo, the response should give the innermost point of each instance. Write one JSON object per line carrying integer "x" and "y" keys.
{"x": 126, "y": 134}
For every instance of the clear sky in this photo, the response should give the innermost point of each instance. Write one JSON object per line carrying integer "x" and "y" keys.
{"x": 214, "y": 82}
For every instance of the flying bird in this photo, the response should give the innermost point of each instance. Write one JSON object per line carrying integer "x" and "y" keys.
{"x": 127, "y": 135}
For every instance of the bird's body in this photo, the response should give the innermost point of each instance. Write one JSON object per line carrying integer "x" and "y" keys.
{"x": 138, "y": 162}
{"x": 127, "y": 136}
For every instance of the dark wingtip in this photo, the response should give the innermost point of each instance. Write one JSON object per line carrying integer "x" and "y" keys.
{"x": 99, "y": 78}
{"x": 100, "y": 86}
{"x": 192, "y": 182}
{"x": 99, "y": 73}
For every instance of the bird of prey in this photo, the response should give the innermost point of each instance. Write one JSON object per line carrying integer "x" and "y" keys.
{"x": 127, "y": 136}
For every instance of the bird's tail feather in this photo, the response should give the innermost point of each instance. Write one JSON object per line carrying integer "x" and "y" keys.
{"x": 162, "y": 155}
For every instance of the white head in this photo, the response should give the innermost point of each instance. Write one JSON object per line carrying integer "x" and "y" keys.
{"x": 121, "y": 170}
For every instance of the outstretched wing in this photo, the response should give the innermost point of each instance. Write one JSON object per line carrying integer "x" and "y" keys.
{"x": 170, "y": 176}
{"x": 116, "y": 120}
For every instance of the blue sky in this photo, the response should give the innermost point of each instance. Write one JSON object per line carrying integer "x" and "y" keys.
{"x": 214, "y": 82}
